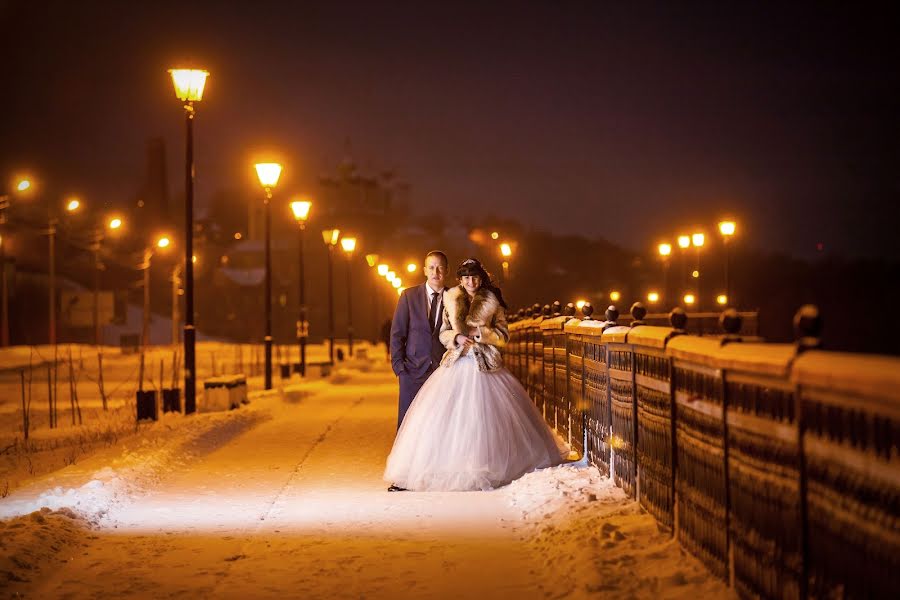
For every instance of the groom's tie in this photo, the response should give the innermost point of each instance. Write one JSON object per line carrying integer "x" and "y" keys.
{"x": 432, "y": 313}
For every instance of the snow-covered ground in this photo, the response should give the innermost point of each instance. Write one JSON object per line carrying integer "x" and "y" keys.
{"x": 284, "y": 498}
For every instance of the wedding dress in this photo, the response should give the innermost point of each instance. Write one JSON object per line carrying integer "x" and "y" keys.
{"x": 470, "y": 430}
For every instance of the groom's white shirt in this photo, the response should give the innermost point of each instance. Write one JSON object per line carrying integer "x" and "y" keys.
{"x": 439, "y": 308}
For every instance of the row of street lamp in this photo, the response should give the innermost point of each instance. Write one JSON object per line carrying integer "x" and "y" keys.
{"x": 70, "y": 206}
{"x": 727, "y": 230}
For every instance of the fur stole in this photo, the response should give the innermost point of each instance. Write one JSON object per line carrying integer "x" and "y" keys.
{"x": 482, "y": 314}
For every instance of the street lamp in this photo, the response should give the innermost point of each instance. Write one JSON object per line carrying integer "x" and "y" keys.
{"x": 698, "y": 239}
{"x": 727, "y": 229}
{"x": 113, "y": 224}
{"x": 372, "y": 261}
{"x": 189, "y": 84}
{"x": 383, "y": 269}
{"x": 506, "y": 253}
{"x": 722, "y": 299}
{"x": 22, "y": 185}
{"x": 689, "y": 299}
{"x": 348, "y": 244}
{"x": 301, "y": 209}
{"x": 72, "y": 206}
{"x": 653, "y": 297}
{"x": 615, "y": 296}
{"x": 268, "y": 174}
{"x": 330, "y": 237}
{"x": 162, "y": 243}
{"x": 665, "y": 251}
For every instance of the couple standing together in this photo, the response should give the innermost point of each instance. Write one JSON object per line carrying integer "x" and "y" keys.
{"x": 465, "y": 423}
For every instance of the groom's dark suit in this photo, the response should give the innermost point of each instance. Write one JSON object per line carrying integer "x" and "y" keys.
{"x": 416, "y": 350}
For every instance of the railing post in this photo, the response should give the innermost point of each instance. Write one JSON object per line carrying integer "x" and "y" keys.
{"x": 808, "y": 331}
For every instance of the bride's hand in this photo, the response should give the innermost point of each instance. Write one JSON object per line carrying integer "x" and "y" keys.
{"x": 464, "y": 341}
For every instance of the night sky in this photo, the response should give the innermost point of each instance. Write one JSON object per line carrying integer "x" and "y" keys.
{"x": 629, "y": 122}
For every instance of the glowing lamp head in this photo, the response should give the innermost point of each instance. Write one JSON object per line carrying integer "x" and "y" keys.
{"x": 23, "y": 185}
{"x": 331, "y": 236}
{"x": 383, "y": 269}
{"x": 390, "y": 276}
{"x": 505, "y": 250}
{"x": 689, "y": 299}
{"x": 580, "y": 304}
{"x": 698, "y": 239}
{"x": 115, "y": 223}
{"x": 721, "y": 299}
{"x": 268, "y": 174}
{"x": 163, "y": 242}
{"x": 371, "y": 259}
{"x": 73, "y": 204}
{"x": 665, "y": 249}
{"x": 684, "y": 241}
{"x": 400, "y": 290}
{"x": 695, "y": 274}
{"x": 300, "y": 208}
{"x": 495, "y": 235}
{"x": 615, "y": 296}
{"x": 397, "y": 283}
{"x": 189, "y": 83}
{"x": 348, "y": 244}
{"x": 193, "y": 259}
{"x": 727, "y": 228}
{"x": 653, "y": 297}
{"x": 412, "y": 268}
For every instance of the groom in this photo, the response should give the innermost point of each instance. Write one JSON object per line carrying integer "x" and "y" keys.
{"x": 416, "y": 350}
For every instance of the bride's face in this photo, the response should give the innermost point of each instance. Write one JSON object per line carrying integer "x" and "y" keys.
{"x": 471, "y": 283}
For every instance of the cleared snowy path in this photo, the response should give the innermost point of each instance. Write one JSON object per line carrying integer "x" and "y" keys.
{"x": 295, "y": 507}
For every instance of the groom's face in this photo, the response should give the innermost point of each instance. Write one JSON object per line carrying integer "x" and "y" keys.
{"x": 435, "y": 270}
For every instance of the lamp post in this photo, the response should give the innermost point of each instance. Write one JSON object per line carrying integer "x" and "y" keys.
{"x": 22, "y": 186}
{"x": 665, "y": 251}
{"x": 684, "y": 242}
{"x": 268, "y": 174}
{"x": 72, "y": 206}
{"x": 506, "y": 253}
{"x": 330, "y": 237}
{"x": 348, "y": 244}
{"x": 162, "y": 243}
{"x": 189, "y": 84}
{"x": 727, "y": 229}
{"x": 114, "y": 224}
{"x": 372, "y": 260}
{"x": 301, "y": 208}
{"x": 176, "y": 282}
{"x": 698, "y": 239}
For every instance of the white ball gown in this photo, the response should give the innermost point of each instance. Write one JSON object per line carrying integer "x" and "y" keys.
{"x": 470, "y": 430}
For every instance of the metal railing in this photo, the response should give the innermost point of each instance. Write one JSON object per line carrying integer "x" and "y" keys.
{"x": 778, "y": 465}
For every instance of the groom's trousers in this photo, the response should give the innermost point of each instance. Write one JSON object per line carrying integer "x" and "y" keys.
{"x": 409, "y": 387}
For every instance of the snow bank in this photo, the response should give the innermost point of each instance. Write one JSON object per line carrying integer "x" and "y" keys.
{"x": 583, "y": 525}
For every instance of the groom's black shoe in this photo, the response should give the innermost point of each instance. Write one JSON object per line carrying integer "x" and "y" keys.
{"x": 397, "y": 488}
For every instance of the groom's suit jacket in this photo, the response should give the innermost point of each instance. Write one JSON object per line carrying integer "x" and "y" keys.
{"x": 415, "y": 349}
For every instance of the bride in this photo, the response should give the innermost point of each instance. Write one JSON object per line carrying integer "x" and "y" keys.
{"x": 472, "y": 425}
